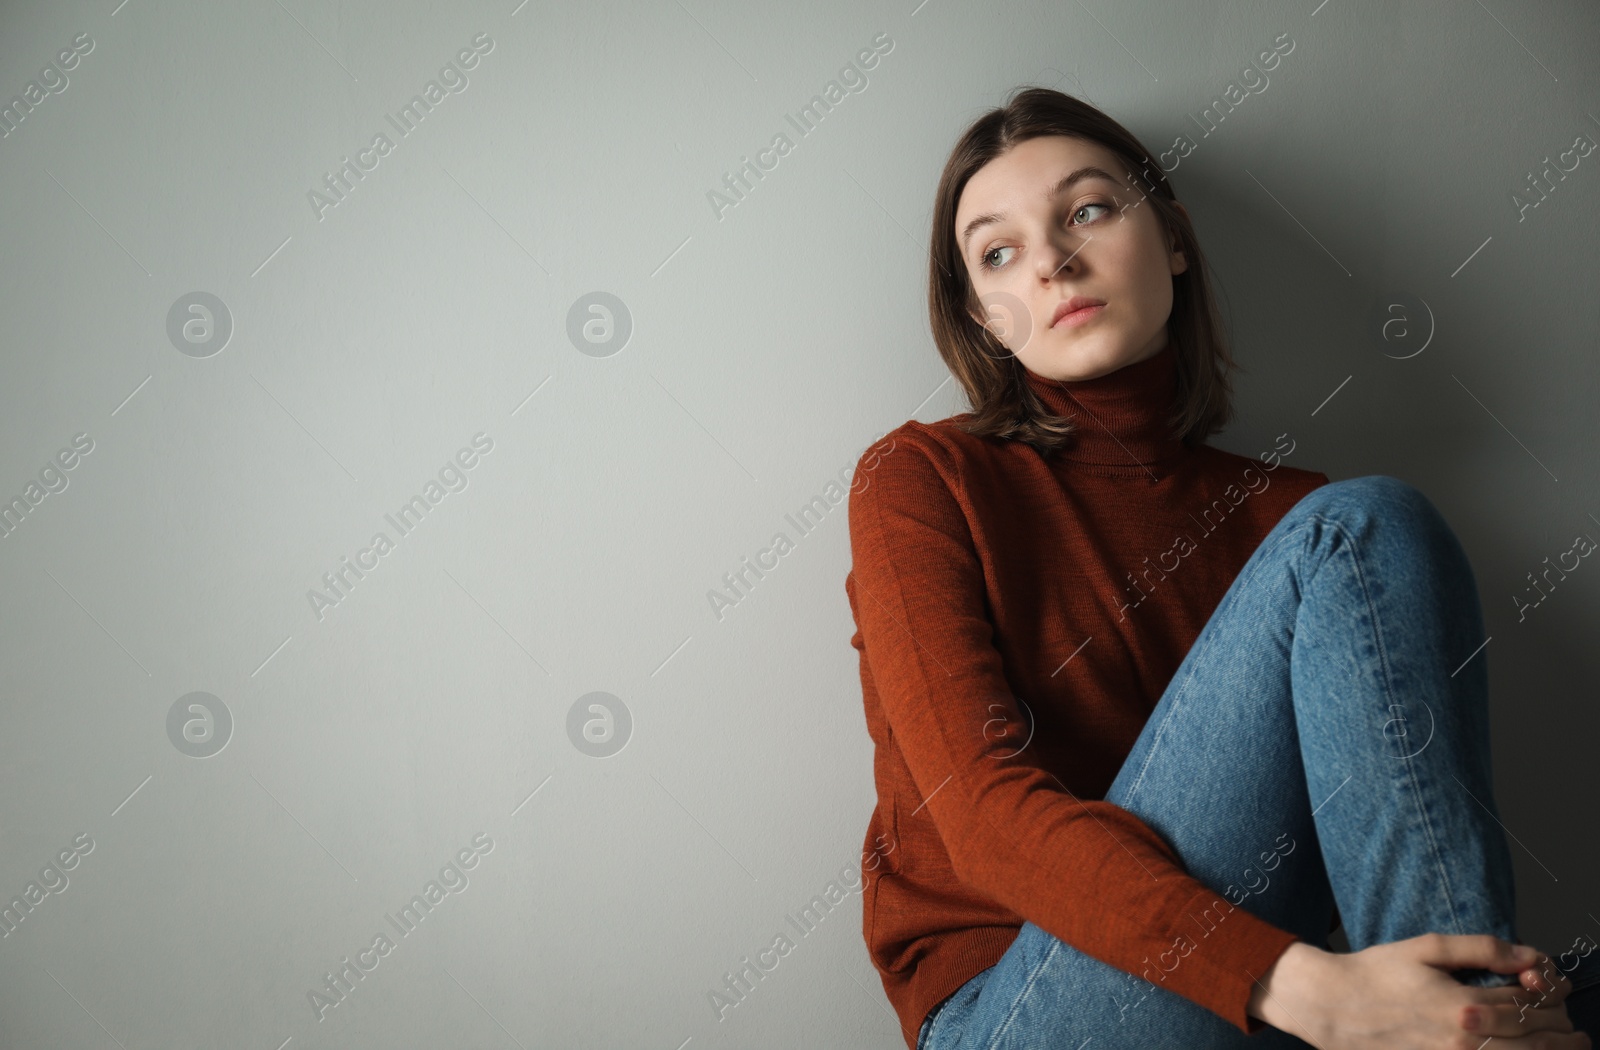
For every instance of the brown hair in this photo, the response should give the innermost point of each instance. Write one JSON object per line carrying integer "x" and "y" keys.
{"x": 1003, "y": 405}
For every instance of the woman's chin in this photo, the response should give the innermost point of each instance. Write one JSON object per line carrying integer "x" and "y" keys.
{"x": 1072, "y": 363}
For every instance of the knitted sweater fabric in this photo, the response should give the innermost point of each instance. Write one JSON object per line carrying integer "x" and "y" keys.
{"x": 1017, "y": 619}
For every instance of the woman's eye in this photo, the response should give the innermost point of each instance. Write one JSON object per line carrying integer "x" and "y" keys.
{"x": 990, "y": 252}
{"x": 1090, "y": 204}
{"x": 987, "y": 258}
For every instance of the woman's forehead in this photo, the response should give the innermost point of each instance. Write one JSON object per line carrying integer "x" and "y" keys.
{"x": 1034, "y": 171}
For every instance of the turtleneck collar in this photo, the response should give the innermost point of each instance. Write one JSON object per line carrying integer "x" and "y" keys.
{"x": 1121, "y": 416}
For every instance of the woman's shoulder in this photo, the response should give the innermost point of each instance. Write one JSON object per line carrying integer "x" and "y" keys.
{"x": 1269, "y": 466}
{"x": 927, "y": 449}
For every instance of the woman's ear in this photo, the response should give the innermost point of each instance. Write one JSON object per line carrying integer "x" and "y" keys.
{"x": 1178, "y": 262}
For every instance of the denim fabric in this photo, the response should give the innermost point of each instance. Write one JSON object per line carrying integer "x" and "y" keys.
{"x": 1325, "y": 739}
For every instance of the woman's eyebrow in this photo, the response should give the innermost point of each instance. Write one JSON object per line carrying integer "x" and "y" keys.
{"x": 989, "y": 218}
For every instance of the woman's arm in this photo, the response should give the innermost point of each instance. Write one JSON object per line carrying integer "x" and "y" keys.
{"x": 1084, "y": 870}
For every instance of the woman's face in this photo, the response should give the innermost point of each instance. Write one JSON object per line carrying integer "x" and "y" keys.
{"x": 1030, "y": 243}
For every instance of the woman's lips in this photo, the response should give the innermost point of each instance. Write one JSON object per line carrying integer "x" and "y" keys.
{"x": 1077, "y": 317}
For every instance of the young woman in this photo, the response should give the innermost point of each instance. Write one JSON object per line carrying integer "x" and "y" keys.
{"x": 1146, "y": 713}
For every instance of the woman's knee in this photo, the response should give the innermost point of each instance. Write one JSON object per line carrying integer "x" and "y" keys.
{"x": 1378, "y": 498}
{"x": 1378, "y": 512}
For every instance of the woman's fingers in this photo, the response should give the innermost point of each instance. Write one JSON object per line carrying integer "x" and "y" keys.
{"x": 1534, "y": 1005}
{"x": 1547, "y": 978}
{"x": 1510, "y": 1012}
{"x": 1535, "y": 992}
{"x": 1452, "y": 951}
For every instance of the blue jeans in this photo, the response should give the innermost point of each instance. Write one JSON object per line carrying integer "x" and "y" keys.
{"x": 1325, "y": 739}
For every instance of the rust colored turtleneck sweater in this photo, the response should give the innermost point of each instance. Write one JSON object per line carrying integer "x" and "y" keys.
{"x": 984, "y": 575}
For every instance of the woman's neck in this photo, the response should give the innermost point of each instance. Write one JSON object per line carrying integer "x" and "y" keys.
{"x": 1121, "y": 417}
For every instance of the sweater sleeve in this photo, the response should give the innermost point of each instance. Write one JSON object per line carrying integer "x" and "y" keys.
{"x": 1086, "y": 871}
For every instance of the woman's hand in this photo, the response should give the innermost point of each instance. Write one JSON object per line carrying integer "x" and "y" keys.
{"x": 1401, "y": 996}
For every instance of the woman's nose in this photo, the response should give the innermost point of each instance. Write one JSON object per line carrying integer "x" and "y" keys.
{"x": 1062, "y": 253}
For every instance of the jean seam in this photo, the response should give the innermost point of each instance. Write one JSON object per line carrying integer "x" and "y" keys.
{"x": 1389, "y": 694}
{"x": 1022, "y": 994}
{"x": 925, "y": 1031}
{"x": 931, "y": 1021}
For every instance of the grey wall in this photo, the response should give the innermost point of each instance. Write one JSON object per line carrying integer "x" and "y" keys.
{"x": 369, "y": 341}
